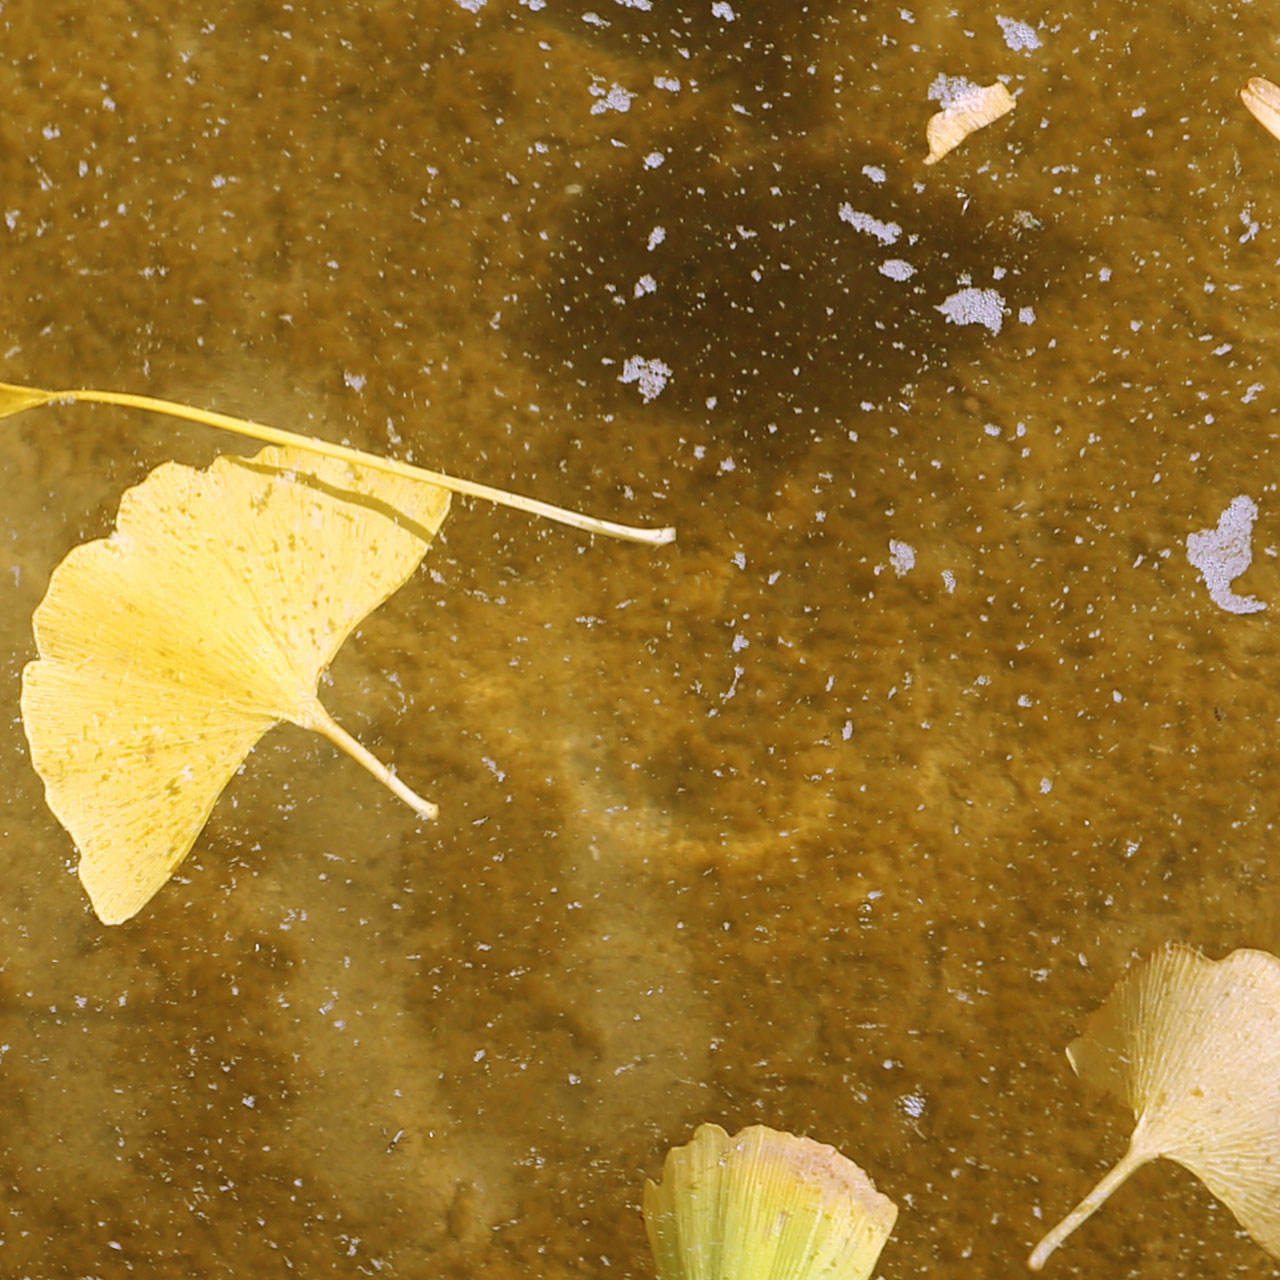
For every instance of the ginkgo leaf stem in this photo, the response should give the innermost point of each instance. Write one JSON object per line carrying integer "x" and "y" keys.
{"x": 1131, "y": 1160}
{"x": 319, "y": 720}
{"x": 390, "y": 466}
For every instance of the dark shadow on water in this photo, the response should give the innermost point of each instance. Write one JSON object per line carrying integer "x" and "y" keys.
{"x": 775, "y": 288}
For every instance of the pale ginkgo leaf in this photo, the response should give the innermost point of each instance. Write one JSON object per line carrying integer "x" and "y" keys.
{"x": 1192, "y": 1045}
{"x": 168, "y": 649}
{"x": 1262, "y": 98}
{"x": 764, "y": 1205}
{"x": 973, "y": 109}
{"x": 14, "y": 399}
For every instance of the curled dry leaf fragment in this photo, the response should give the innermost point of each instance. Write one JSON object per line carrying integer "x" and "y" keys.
{"x": 1193, "y": 1046}
{"x": 168, "y": 649}
{"x": 764, "y": 1205}
{"x": 973, "y": 110}
{"x": 1263, "y": 100}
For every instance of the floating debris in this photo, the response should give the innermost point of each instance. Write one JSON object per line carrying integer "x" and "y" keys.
{"x": 1224, "y": 553}
{"x": 650, "y": 375}
{"x": 970, "y": 111}
{"x": 885, "y": 232}
{"x": 614, "y": 98}
{"x": 975, "y": 306}
{"x": 897, "y": 269}
{"x": 1019, "y": 36}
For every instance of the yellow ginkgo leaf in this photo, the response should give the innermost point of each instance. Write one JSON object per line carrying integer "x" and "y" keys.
{"x": 168, "y": 649}
{"x": 764, "y": 1205}
{"x": 1193, "y": 1046}
{"x": 973, "y": 109}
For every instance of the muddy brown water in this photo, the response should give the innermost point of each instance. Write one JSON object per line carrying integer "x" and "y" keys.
{"x": 753, "y": 828}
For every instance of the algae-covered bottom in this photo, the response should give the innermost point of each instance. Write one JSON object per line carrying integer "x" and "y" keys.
{"x": 839, "y": 814}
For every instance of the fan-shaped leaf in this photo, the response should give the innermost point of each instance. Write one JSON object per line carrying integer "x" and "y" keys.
{"x": 764, "y": 1205}
{"x": 169, "y": 648}
{"x": 1193, "y": 1046}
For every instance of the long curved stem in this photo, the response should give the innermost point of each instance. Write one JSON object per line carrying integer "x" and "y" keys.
{"x": 1132, "y": 1159}
{"x": 19, "y": 398}
{"x": 315, "y": 717}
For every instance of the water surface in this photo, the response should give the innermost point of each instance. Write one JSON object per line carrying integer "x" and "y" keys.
{"x": 754, "y": 828}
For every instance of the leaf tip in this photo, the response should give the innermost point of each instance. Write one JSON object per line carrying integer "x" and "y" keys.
{"x": 1262, "y": 100}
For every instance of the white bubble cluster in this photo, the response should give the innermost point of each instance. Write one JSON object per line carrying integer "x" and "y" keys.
{"x": 649, "y": 375}
{"x": 975, "y": 306}
{"x": 1018, "y": 35}
{"x": 1224, "y": 553}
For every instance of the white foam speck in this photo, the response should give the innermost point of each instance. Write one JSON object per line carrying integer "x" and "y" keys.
{"x": 1224, "y": 553}
{"x": 949, "y": 580}
{"x": 975, "y": 306}
{"x": 885, "y": 232}
{"x": 669, "y": 83}
{"x": 471, "y": 6}
{"x": 948, "y": 90}
{"x": 650, "y": 375}
{"x": 874, "y": 172}
{"x": 897, "y": 269}
{"x": 635, "y": 4}
{"x": 721, "y": 10}
{"x": 646, "y": 284}
{"x": 614, "y": 98}
{"x": 1018, "y": 35}
{"x": 913, "y": 1104}
{"x": 902, "y": 555}
{"x": 654, "y": 160}
{"x": 1027, "y": 315}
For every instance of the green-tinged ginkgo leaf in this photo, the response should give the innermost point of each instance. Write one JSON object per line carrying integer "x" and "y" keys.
{"x": 168, "y": 649}
{"x": 1192, "y": 1046}
{"x": 764, "y": 1205}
